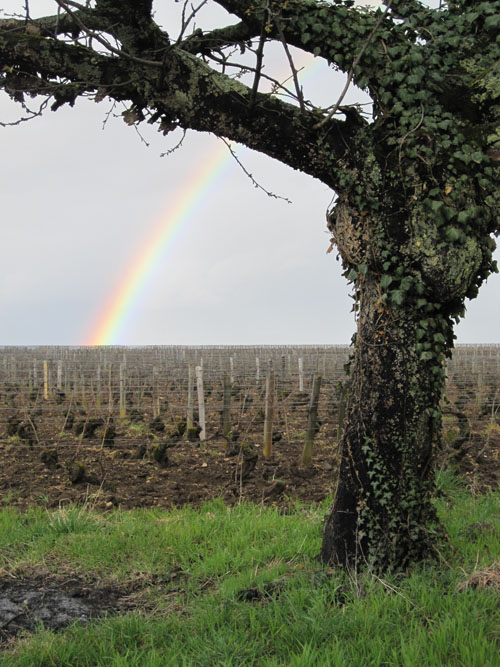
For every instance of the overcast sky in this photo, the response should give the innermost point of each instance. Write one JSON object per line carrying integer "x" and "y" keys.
{"x": 79, "y": 200}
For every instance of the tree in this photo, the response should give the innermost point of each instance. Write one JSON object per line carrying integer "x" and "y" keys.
{"x": 417, "y": 185}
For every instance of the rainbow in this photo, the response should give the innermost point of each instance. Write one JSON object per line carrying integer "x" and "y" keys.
{"x": 120, "y": 304}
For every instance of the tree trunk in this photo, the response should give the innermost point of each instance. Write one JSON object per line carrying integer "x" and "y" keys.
{"x": 382, "y": 515}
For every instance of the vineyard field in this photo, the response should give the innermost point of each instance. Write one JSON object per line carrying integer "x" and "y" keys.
{"x": 166, "y": 426}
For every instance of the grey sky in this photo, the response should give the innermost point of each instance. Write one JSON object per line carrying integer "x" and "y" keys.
{"x": 77, "y": 201}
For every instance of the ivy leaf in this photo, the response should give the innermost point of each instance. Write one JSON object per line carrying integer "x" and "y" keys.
{"x": 435, "y": 205}
{"x": 352, "y": 275}
{"x": 492, "y": 21}
{"x": 385, "y": 281}
{"x": 363, "y": 269}
{"x": 406, "y": 284}
{"x": 453, "y": 234}
{"x": 397, "y": 297}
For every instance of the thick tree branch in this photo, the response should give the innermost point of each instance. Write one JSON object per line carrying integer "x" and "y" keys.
{"x": 188, "y": 94}
{"x": 309, "y": 25}
{"x": 205, "y": 43}
{"x": 58, "y": 24}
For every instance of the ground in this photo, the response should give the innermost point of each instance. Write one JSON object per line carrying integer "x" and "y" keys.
{"x": 67, "y": 469}
{"x": 127, "y": 476}
{"x": 56, "y": 601}
{"x": 143, "y": 467}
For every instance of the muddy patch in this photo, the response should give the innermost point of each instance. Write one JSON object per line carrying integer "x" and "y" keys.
{"x": 54, "y": 602}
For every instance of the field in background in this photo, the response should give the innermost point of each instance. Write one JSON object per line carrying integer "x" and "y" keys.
{"x": 165, "y": 426}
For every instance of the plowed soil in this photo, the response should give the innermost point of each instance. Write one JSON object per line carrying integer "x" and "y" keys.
{"x": 126, "y": 474}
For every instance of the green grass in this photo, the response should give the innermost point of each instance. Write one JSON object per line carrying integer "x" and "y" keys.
{"x": 305, "y": 616}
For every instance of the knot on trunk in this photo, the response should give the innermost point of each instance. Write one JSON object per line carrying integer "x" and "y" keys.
{"x": 350, "y": 232}
{"x": 447, "y": 269}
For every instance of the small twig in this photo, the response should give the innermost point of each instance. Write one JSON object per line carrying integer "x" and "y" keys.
{"x": 56, "y": 29}
{"x": 298, "y": 89}
{"x": 245, "y": 68}
{"x": 185, "y": 22}
{"x": 258, "y": 65}
{"x": 178, "y": 145}
{"x": 67, "y": 413}
{"x": 105, "y": 121}
{"x": 140, "y": 135}
{"x": 33, "y": 114}
{"x": 353, "y": 67}
{"x": 256, "y": 184}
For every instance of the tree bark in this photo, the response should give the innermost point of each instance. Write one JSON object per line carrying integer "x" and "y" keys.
{"x": 382, "y": 515}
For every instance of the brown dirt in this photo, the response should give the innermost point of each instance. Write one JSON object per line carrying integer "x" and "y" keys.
{"x": 475, "y": 457}
{"x": 126, "y": 474}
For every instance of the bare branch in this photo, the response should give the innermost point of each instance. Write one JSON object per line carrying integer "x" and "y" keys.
{"x": 258, "y": 65}
{"x": 185, "y": 22}
{"x": 250, "y": 176}
{"x": 31, "y": 114}
{"x": 298, "y": 89}
{"x": 204, "y": 43}
{"x": 278, "y": 87}
{"x": 177, "y": 145}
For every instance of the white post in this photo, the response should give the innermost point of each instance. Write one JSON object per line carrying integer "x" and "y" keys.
{"x": 268, "y": 418}
{"x": 301, "y": 374}
{"x": 201, "y": 401}
{"x": 190, "y": 398}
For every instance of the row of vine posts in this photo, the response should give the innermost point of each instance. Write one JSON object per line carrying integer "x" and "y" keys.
{"x": 200, "y": 383}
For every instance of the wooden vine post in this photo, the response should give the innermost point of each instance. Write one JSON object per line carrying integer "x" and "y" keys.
{"x": 45, "y": 380}
{"x": 123, "y": 406}
{"x": 226, "y": 410}
{"x": 312, "y": 417}
{"x": 201, "y": 402}
{"x": 59, "y": 383}
{"x": 156, "y": 392}
{"x": 301, "y": 374}
{"x": 84, "y": 393}
{"x": 110, "y": 388}
{"x": 98, "y": 388}
{"x": 190, "y": 399}
{"x": 268, "y": 416}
